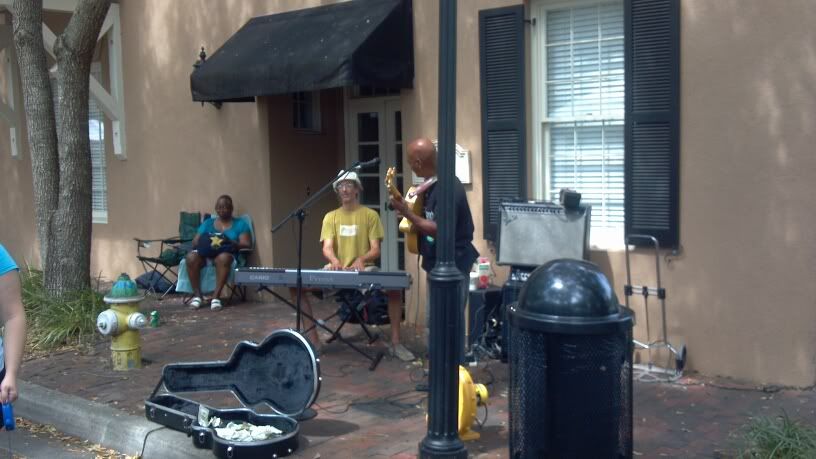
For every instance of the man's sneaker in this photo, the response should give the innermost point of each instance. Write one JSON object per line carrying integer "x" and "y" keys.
{"x": 401, "y": 352}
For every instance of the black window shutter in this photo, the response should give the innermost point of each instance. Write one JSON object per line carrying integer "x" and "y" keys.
{"x": 652, "y": 131}
{"x": 501, "y": 55}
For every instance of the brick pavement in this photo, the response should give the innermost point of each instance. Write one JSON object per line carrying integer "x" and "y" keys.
{"x": 377, "y": 414}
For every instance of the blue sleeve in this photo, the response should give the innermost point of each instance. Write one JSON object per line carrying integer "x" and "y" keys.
{"x": 243, "y": 228}
{"x": 207, "y": 226}
{"x": 6, "y": 262}
{"x": 239, "y": 227}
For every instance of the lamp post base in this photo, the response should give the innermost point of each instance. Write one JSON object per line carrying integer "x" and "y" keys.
{"x": 442, "y": 438}
{"x": 442, "y": 449}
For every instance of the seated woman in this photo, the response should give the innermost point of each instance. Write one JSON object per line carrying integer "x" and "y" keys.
{"x": 219, "y": 239}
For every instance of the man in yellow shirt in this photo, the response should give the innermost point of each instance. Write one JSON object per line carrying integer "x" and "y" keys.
{"x": 351, "y": 237}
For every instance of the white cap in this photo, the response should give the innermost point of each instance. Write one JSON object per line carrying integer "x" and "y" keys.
{"x": 349, "y": 177}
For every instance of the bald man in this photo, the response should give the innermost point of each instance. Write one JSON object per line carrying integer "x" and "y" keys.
{"x": 422, "y": 158}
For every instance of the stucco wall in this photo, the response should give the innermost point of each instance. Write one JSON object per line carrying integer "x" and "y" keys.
{"x": 741, "y": 293}
{"x": 300, "y": 164}
{"x": 17, "y": 231}
{"x": 182, "y": 155}
{"x": 743, "y": 290}
{"x": 420, "y": 108}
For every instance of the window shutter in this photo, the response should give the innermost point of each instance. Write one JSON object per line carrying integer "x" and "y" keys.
{"x": 652, "y": 119}
{"x": 501, "y": 53}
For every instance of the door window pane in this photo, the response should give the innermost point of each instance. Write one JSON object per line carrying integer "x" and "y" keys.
{"x": 401, "y": 255}
{"x": 368, "y": 152}
{"x": 398, "y": 148}
{"x": 371, "y": 191}
{"x": 306, "y": 111}
{"x": 371, "y": 91}
{"x": 368, "y": 129}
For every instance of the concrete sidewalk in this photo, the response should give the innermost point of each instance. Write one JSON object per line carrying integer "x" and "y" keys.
{"x": 102, "y": 424}
{"x": 360, "y": 413}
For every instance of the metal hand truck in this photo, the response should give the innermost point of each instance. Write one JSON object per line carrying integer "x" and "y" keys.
{"x": 660, "y": 292}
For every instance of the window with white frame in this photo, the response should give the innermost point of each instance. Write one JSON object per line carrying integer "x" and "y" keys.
{"x": 578, "y": 70}
{"x": 306, "y": 111}
{"x": 96, "y": 135}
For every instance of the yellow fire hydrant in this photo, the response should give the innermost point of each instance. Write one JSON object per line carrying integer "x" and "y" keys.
{"x": 122, "y": 322}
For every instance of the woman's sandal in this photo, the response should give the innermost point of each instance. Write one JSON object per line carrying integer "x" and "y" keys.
{"x": 195, "y": 303}
{"x": 215, "y": 304}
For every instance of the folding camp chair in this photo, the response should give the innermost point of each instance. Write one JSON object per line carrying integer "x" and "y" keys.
{"x": 208, "y": 272}
{"x": 160, "y": 269}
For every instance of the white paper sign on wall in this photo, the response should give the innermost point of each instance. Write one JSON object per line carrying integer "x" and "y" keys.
{"x": 461, "y": 165}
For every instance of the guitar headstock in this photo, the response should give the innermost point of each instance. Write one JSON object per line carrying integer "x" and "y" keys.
{"x": 390, "y": 181}
{"x": 389, "y": 176}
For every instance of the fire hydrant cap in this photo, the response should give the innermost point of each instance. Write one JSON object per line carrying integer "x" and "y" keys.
{"x": 124, "y": 291}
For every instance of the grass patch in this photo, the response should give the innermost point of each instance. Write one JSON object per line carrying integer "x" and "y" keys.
{"x": 780, "y": 437}
{"x": 57, "y": 322}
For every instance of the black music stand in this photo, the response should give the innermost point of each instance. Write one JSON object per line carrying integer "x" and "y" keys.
{"x": 300, "y": 213}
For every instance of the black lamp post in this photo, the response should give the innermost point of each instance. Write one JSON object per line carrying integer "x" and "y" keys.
{"x": 442, "y": 438}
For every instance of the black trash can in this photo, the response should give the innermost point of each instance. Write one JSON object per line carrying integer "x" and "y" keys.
{"x": 570, "y": 366}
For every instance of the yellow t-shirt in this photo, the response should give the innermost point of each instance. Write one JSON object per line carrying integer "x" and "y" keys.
{"x": 351, "y": 232}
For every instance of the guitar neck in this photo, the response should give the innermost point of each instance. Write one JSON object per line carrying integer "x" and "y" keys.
{"x": 423, "y": 187}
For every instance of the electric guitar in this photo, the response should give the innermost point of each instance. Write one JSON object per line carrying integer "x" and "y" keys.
{"x": 413, "y": 199}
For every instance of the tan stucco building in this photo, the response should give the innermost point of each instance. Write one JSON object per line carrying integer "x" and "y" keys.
{"x": 741, "y": 283}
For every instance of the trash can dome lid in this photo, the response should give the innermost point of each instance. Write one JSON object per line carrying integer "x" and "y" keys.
{"x": 568, "y": 288}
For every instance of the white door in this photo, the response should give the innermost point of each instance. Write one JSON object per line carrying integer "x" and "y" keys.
{"x": 374, "y": 129}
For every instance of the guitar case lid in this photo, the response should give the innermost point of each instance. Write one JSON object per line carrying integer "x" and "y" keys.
{"x": 282, "y": 371}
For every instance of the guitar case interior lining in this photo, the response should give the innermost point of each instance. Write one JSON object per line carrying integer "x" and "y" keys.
{"x": 282, "y": 372}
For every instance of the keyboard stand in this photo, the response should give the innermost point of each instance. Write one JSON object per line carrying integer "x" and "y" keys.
{"x": 355, "y": 314}
{"x": 378, "y": 355}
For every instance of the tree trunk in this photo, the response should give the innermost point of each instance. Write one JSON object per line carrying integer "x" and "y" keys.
{"x": 67, "y": 225}
{"x": 39, "y": 109}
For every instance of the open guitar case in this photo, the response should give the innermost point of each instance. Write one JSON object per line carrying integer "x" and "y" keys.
{"x": 283, "y": 372}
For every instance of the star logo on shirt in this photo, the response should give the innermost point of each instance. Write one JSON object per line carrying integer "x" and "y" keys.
{"x": 215, "y": 241}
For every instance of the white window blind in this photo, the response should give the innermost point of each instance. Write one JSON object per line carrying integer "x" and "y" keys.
{"x": 583, "y": 110}
{"x": 96, "y": 133}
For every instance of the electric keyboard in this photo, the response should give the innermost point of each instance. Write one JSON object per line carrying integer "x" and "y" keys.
{"x": 322, "y": 278}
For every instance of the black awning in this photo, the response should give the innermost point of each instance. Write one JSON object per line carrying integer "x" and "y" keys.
{"x": 364, "y": 42}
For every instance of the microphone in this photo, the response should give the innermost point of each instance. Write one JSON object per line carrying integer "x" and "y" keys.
{"x": 364, "y": 164}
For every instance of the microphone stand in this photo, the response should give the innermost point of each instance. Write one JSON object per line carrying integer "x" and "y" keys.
{"x": 300, "y": 213}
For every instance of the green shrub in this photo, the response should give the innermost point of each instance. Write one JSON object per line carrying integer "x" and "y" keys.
{"x": 780, "y": 437}
{"x": 54, "y": 322}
